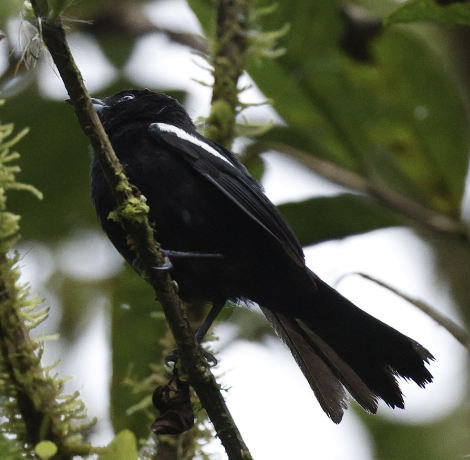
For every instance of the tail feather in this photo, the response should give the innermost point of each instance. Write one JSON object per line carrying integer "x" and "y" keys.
{"x": 337, "y": 346}
{"x": 325, "y": 371}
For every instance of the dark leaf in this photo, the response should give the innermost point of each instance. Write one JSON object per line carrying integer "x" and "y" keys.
{"x": 326, "y": 218}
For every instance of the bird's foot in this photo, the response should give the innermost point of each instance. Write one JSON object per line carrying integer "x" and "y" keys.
{"x": 167, "y": 265}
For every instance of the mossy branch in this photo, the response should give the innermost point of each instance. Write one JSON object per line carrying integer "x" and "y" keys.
{"x": 132, "y": 212}
{"x": 30, "y": 397}
{"x": 227, "y": 58}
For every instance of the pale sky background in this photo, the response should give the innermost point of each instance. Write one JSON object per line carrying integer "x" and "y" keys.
{"x": 270, "y": 400}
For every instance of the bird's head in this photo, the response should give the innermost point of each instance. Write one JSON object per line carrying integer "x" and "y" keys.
{"x": 141, "y": 105}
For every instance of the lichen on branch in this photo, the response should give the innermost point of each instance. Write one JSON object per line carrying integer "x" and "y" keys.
{"x": 227, "y": 58}
{"x": 32, "y": 406}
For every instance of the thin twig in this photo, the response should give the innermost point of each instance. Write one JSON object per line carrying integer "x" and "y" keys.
{"x": 142, "y": 237}
{"x": 387, "y": 196}
{"x": 460, "y": 334}
{"x": 129, "y": 19}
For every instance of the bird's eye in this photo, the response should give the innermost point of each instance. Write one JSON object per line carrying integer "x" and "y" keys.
{"x": 129, "y": 97}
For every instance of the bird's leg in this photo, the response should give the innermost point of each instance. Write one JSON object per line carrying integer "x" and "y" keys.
{"x": 184, "y": 255}
{"x": 168, "y": 254}
{"x": 214, "y": 312}
{"x": 172, "y": 358}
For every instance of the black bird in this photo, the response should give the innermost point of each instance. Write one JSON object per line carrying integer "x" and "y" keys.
{"x": 226, "y": 241}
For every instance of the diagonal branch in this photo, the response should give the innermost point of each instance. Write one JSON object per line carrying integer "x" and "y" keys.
{"x": 136, "y": 224}
{"x": 459, "y": 334}
{"x": 388, "y": 197}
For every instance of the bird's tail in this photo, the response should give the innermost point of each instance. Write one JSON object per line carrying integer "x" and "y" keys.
{"x": 338, "y": 346}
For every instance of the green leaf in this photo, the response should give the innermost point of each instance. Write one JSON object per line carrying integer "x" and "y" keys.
{"x": 299, "y": 106}
{"x": 45, "y": 450}
{"x": 325, "y": 218}
{"x": 291, "y": 136}
{"x": 398, "y": 120}
{"x": 420, "y": 147}
{"x": 123, "y": 447}
{"x": 308, "y": 86}
{"x": 430, "y": 11}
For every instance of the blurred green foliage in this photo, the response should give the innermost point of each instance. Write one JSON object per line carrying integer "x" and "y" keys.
{"x": 396, "y": 116}
{"x": 438, "y": 11}
{"x": 123, "y": 447}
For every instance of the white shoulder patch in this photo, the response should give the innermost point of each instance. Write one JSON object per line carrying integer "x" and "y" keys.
{"x": 182, "y": 134}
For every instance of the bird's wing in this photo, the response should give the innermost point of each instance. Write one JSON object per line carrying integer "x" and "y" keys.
{"x": 219, "y": 166}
